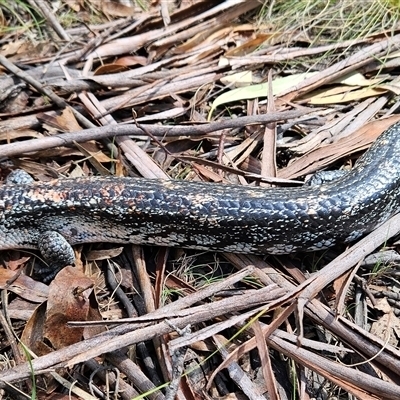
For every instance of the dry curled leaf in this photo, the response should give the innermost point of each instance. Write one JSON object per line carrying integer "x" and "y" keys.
{"x": 23, "y": 286}
{"x": 70, "y": 298}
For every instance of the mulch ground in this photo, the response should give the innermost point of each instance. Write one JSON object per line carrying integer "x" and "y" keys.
{"x": 208, "y": 92}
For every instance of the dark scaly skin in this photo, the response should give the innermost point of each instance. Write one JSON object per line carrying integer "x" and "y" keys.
{"x": 208, "y": 216}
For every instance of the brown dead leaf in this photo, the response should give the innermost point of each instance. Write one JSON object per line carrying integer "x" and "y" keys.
{"x": 386, "y": 327}
{"x": 341, "y": 286}
{"x": 15, "y": 105}
{"x": 96, "y": 158}
{"x": 14, "y": 265}
{"x": 39, "y": 171}
{"x": 207, "y": 173}
{"x": 21, "y": 309}
{"x": 116, "y": 9}
{"x": 383, "y": 305}
{"x": 58, "y": 334}
{"x": 251, "y": 45}
{"x": 321, "y": 157}
{"x": 69, "y": 300}
{"x": 19, "y": 134}
{"x": 75, "y": 5}
{"x": 209, "y": 35}
{"x": 96, "y": 255}
{"x": 65, "y": 122}
{"x": 32, "y": 335}
{"x": 29, "y": 50}
{"x": 130, "y": 61}
{"x": 91, "y": 149}
{"x": 68, "y": 293}
{"x": 160, "y": 274}
{"x": 23, "y": 286}
{"x": 110, "y": 69}
{"x": 267, "y": 371}
{"x": 175, "y": 283}
{"x": 14, "y": 47}
{"x": 68, "y": 121}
